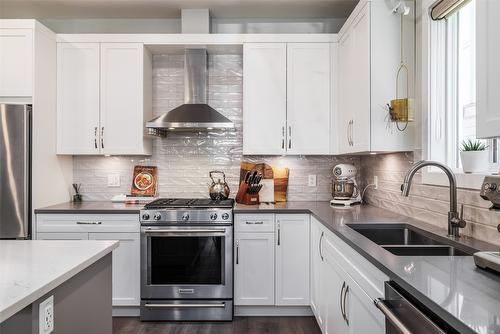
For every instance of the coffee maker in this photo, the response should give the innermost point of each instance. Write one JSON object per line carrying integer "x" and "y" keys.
{"x": 345, "y": 190}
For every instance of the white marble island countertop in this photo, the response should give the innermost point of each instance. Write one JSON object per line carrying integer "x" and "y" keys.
{"x": 31, "y": 268}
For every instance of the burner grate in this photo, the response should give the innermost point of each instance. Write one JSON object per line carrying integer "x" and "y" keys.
{"x": 163, "y": 203}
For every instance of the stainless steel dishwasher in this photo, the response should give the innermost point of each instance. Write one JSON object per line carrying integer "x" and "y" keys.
{"x": 403, "y": 317}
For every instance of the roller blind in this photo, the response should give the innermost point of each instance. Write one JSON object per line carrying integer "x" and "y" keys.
{"x": 443, "y": 8}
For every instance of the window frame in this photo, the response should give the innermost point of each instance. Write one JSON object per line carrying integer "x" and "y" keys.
{"x": 437, "y": 104}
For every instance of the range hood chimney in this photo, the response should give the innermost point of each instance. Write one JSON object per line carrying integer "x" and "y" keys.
{"x": 195, "y": 113}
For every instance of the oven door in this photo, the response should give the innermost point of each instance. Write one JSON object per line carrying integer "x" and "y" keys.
{"x": 186, "y": 262}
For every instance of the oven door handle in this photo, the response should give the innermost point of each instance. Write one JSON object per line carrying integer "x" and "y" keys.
{"x": 222, "y": 230}
{"x": 221, "y": 305}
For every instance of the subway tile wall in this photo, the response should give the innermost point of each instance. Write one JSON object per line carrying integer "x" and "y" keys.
{"x": 184, "y": 159}
{"x": 427, "y": 203}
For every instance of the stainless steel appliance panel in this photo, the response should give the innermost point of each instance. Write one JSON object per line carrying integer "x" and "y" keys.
{"x": 187, "y": 262}
{"x": 15, "y": 170}
{"x": 403, "y": 317}
{"x": 187, "y": 310}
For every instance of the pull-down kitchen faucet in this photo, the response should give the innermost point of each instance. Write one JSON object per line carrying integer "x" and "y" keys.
{"x": 454, "y": 220}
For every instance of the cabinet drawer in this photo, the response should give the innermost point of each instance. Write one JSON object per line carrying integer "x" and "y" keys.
{"x": 87, "y": 223}
{"x": 254, "y": 223}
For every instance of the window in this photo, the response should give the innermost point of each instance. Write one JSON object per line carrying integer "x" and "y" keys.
{"x": 453, "y": 81}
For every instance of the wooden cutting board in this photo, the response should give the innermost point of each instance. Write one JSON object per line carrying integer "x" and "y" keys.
{"x": 279, "y": 175}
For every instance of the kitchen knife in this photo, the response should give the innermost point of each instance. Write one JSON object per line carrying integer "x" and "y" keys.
{"x": 247, "y": 175}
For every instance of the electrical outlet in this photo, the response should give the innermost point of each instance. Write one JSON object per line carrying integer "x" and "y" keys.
{"x": 113, "y": 180}
{"x": 375, "y": 182}
{"x": 46, "y": 316}
{"x": 311, "y": 182}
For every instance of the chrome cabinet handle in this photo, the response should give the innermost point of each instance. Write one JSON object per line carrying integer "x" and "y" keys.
{"x": 89, "y": 223}
{"x": 279, "y": 234}
{"x": 341, "y": 305}
{"x": 237, "y": 252}
{"x": 320, "y": 246}
{"x": 348, "y": 133}
{"x": 282, "y": 137}
{"x": 289, "y": 136}
{"x": 254, "y": 223}
{"x": 343, "y": 302}
{"x": 95, "y": 137}
{"x": 102, "y": 137}
{"x": 221, "y": 305}
{"x": 393, "y": 318}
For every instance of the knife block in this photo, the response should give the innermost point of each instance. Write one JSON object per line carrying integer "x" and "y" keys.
{"x": 243, "y": 197}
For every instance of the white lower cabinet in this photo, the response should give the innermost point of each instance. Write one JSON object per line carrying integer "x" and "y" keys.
{"x": 122, "y": 227}
{"x": 339, "y": 303}
{"x": 126, "y": 267}
{"x": 271, "y": 260}
{"x": 254, "y": 268}
{"x": 292, "y": 259}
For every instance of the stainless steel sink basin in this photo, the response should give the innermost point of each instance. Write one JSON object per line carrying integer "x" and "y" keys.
{"x": 406, "y": 240}
{"x": 426, "y": 251}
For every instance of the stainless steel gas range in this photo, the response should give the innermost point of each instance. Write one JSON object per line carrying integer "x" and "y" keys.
{"x": 187, "y": 260}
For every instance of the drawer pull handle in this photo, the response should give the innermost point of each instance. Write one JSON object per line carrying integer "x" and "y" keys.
{"x": 89, "y": 223}
{"x": 254, "y": 223}
{"x": 221, "y": 305}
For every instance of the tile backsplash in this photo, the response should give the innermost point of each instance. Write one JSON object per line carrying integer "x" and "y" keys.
{"x": 426, "y": 202}
{"x": 184, "y": 159}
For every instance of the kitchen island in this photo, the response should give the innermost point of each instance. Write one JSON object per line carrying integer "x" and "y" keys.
{"x": 76, "y": 274}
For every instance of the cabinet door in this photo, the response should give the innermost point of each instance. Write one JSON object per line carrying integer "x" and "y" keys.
{"x": 345, "y": 86}
{"x": 121, "y": 100}
{"x": 16, "y": 62}
{"x": 264, "y": 98}
{"x": 488, "y": 68}
{"x": 316, "y": 263}
{"x": 77, "y": 98}
{"x": 292, "y": 259}
{"x": 254, "y": 269}
{"x": 360, "y": 89}
{"x": 361, "y": 313}
{"x": 126, "y": 267}
{"x": 62, "y": 236}
{"x": 308, "y": 98}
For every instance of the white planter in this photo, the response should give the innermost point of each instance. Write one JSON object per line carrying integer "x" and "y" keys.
{"x": 475, "y": 161}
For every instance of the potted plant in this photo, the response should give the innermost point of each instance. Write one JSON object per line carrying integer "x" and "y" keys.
{"x": 474, "y": 156}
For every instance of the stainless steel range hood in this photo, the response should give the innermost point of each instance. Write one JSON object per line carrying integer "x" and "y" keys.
{"x": 195, "y": 113}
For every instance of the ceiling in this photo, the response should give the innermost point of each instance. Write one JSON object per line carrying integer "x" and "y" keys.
{"x": 171, "y": 8}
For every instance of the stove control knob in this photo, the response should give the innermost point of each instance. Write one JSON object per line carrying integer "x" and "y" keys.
{"x": 225, "y": 216}
{"x": 213, "y": 216}
{"x": 157, "y": 216}
{"x": 185, "y": 217}
{"x": 145, "y": 216}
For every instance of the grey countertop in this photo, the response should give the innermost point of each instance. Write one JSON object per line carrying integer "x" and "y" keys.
{"x": 468, "y": 298}
{"x": 88, "y": 207}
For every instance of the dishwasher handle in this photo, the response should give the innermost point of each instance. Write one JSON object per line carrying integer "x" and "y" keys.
{"x": 389, "y": 315}
{"x": 404, "y": 317}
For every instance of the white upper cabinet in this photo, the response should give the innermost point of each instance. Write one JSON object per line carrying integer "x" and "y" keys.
{"x": 122, "y": 99}
{"x": 264, "y": 98}
{"x": 369, "y": 54}
{"x": 308, "y": 98}
{"x": 78, "y": 98}
{"x": 292, "y": 259}
{"x": 104, "y": 98}
{"x": 488, "y": 68}
{"x": 16, "y": 62}
{"x": 286, "y": 93}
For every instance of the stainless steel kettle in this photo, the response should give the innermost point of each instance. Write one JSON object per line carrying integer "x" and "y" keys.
{"x": 218, "y": 190}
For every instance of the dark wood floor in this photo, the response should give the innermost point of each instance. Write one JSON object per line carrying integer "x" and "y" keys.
{"x": 240, "y": 325}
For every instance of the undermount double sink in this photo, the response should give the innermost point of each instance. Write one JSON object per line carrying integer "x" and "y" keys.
{"x": 406, "y": 240}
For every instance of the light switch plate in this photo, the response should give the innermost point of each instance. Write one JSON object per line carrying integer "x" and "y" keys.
{"x": 311, "y": 181}
{"x": 46, "y": 316}
{"x": 113, "y": 180}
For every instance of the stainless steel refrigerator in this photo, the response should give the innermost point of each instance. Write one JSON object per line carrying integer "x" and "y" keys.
{"x": 15, "y": 171}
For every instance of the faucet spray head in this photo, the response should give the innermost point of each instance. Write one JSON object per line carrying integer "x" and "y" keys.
{"x": 405, "y": 189}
